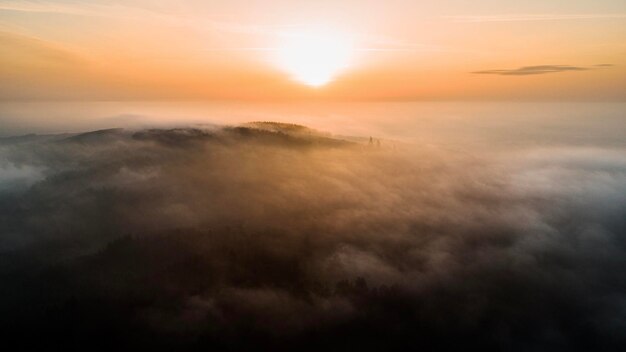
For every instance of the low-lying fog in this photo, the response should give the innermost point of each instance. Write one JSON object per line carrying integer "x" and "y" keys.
{"x": 492, "y": 226}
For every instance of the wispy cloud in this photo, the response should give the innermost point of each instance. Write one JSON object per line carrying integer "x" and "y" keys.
{"x": 136, "y": 13}
{"x": 369, "y": 41}
{"x": 534, "y": 17}
{"x": 538, "y": 70}
{"x": 59, "y": 8}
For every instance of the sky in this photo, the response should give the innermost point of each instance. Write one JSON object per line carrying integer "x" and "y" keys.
{"x": 339, "y": 50}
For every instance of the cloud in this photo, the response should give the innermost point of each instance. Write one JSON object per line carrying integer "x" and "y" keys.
{"x": 538, "y": 70}
{"x": 137, "y": 12}
{"x": 533, "y": 17}
{"x": 277, "y": 237}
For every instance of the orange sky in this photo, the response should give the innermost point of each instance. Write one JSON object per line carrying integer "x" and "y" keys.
{"x": 400, "y": 50}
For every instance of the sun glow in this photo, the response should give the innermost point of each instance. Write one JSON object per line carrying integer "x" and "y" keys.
{"x": 315, "y": 57}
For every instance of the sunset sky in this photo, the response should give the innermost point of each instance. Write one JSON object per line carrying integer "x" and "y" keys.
{"x": 352, "y": 50}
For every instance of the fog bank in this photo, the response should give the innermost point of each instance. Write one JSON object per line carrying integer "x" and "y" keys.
{"x": 275, "y": 236}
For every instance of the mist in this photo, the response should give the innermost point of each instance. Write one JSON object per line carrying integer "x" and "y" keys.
{"x": 279, "y": 237}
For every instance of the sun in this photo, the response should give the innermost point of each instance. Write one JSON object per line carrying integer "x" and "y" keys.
{"x": 314, "y": 57}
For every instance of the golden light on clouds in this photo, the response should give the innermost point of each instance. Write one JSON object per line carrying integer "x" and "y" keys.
{"x": 315, "y": 56}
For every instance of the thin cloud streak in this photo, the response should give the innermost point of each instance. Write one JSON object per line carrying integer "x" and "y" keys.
{"x": 373, "y": 42}
{"x": 538, "y": 70}
{"x": 532, "y": 17}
